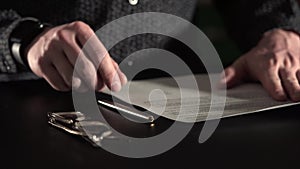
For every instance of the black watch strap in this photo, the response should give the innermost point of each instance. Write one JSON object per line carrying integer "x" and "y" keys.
{"x": 26, "y": 31}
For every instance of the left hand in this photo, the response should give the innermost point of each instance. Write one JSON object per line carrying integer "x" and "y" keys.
{"x": 274, "y": 62}
{"x": 56, "y": 52}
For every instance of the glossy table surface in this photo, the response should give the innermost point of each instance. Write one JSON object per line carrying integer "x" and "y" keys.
{"x": 268, "y": 139}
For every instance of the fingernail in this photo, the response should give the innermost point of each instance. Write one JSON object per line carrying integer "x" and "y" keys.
{"x": 116, "y": 86}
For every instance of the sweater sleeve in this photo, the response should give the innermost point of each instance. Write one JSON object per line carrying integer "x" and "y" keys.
{"x": 9, "y": 20}
{"x": 247, "y": 20}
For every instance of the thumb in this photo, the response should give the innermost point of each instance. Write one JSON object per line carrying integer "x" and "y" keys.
{"x": 233, "y": 75}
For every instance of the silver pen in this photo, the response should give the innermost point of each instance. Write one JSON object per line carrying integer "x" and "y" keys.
{"x": 140, "y": 116}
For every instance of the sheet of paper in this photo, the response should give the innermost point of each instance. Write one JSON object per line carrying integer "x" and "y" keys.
{"x": 162, "y": 96}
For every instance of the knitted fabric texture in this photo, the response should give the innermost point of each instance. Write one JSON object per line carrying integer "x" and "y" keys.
{"x": 95, "y": 13}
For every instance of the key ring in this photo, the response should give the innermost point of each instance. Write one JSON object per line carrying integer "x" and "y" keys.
{"x": 74, "y": 122}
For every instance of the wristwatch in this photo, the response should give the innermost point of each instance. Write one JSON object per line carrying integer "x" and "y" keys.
{"x": 25, "y": 32}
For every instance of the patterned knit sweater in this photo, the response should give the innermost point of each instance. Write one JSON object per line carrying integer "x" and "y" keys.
{"x": 247, "y": 20}
{"x": 95, "y": 13}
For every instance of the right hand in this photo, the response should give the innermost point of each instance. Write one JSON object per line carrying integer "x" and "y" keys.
{"x": 55, "y": 52}
{"x": 274, "y": 62}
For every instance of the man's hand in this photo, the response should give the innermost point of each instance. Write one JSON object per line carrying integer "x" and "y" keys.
{"x": 55, "y": 52}
{"x": 275, "y": 62}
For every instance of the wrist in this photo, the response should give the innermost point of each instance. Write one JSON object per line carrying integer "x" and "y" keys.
{"x": 22, "y": 36}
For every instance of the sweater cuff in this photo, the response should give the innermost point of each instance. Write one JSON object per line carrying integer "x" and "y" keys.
{"x": 22, "y": 36}
{"x": 7, "y": 65}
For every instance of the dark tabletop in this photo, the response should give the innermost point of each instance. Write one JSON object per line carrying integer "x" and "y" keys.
{"x": 268, "y": 139}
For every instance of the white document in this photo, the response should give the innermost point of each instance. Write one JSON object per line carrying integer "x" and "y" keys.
{"x": 162, "y": 96}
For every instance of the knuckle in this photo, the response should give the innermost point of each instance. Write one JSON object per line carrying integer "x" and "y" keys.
{"x": 271, "y": 63}
{"x": 272, "y": 60}
{"x": 115, "y": 65}
{"x": 286, "y": 63}
{"x": 78, "y": 23}
{"x": 63, "y": 36}
{"x": 277, "y": 33}
{"x": 293, "y": 59}
{"x": 80, "y": 26}
{"x": 276, "y": 54}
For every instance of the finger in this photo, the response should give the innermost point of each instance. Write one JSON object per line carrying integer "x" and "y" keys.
{"x": 83, "y": 32}
{"x": 109, "y": 74}
{"x": 98, "y": 55}
{"x": 53, "y": 77}
{"x": 74, "y": 52}
{"x": 67, "y": 42}
{"x": 290, "y": 83}
{"x": 93, "y": 48}
{"x": 81, "y": 64}
{"x": 78, "y": 84}
{"x": 228, "y": 78}
{"x": 87, "y": 72}
{"x": 74, "y": 42}
{"x": 233, "y": 75}
{"x": 271, "y": 81}
{"x": 71, "y": 49}
{"x": 64, "y": 67}
{"x": 122, "y": 76}
{"x": 100, "y": 82}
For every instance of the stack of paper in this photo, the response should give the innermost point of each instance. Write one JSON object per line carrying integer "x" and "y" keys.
{"x": 162, "y": 96}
